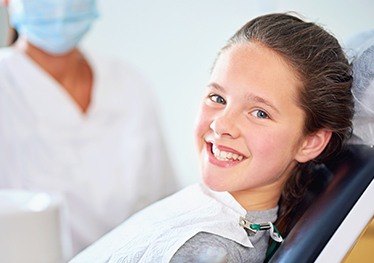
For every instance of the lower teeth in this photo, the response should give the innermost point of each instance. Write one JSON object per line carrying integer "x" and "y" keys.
{"x": 224, "y": 159}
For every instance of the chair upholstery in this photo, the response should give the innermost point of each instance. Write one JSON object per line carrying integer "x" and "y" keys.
{"x": 335, "y": 189}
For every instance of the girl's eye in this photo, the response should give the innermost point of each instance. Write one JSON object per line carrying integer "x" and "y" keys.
{"x": 260, "y": 114}
{"x": 217, "y": 99}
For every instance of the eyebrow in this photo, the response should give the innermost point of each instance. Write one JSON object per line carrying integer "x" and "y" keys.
{"x": 249, "y": 97}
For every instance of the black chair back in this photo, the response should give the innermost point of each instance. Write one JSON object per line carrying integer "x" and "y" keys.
{"x": 331, "y": 196}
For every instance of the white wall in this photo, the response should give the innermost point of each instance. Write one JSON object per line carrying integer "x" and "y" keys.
{"x": 175, "y": 42}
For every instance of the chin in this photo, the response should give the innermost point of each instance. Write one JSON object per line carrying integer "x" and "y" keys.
{"x": 214, "y": 184}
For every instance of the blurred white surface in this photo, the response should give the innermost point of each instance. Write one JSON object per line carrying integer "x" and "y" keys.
{"x": 30, "y": 228}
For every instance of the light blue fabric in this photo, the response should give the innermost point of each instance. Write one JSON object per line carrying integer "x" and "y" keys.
{"x": 55, "y": 26}
{"x": 358, "y": 43}
{"x": 360, "y": 48}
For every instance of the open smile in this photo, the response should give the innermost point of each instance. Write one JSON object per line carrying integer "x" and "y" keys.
{"x": 223, "y": 156}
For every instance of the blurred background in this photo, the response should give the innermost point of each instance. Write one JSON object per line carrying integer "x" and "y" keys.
{"x": 174, "y": 43}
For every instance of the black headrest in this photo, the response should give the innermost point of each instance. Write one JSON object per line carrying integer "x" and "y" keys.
{"x": 335, "y": 189}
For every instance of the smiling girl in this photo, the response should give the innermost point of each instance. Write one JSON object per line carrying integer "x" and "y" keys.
{"x": 278, "y": 100}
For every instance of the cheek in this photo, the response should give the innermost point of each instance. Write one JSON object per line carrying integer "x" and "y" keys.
{"x": 264, "y": 146}
{"x": 202, "y": 126}
{"x": 274, "y": 143}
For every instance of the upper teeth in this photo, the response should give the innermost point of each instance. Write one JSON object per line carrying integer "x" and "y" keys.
{"x": 224, "y": 156}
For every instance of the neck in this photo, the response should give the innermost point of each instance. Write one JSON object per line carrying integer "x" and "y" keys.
{"x": 263, "y": 197}
{"x": 71, "y": 70}
{"x": 60, "y": 67}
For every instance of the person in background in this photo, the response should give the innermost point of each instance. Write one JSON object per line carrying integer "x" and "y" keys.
{"x": 278, "y": 102}
{"x": 75, "y": 123}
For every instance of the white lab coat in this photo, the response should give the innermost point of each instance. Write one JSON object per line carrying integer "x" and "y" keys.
{"x": 107, "y": 164}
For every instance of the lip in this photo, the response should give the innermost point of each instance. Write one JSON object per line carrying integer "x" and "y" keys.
{"x": 219, "y": 163}
{"x": 228, "y": 149}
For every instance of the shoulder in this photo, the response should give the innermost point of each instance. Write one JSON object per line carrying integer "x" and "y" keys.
{"x": 122, "y": 80}
{"x": 155, "y": 213}
{"x": 114, "y": 66}
{"x": 206, "y": 247}
{"x": 6, "y": 53}
{"x": 9, "y": 65}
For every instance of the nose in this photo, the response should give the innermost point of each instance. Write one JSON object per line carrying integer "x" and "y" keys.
{"x": 225, "y": 125}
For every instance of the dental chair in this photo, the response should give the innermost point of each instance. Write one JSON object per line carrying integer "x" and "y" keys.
{"x": 337, "y": 208}
{"x": 339, "y": 202}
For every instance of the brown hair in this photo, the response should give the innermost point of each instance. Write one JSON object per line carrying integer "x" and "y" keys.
{"x": 325, "y": 96}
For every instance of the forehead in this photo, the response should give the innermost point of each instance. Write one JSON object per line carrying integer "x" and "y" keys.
{"x": 255, "y": 68}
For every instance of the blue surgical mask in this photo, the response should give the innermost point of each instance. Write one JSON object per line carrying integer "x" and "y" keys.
{"x": 55, "y": 26}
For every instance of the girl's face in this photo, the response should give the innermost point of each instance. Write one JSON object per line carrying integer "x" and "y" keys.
{"x": 250, "y": 127}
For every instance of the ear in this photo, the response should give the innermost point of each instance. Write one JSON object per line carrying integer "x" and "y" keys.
{"x": 313, "y": 145}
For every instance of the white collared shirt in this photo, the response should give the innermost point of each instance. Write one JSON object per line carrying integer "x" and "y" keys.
{"x": 107, "y": 163}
